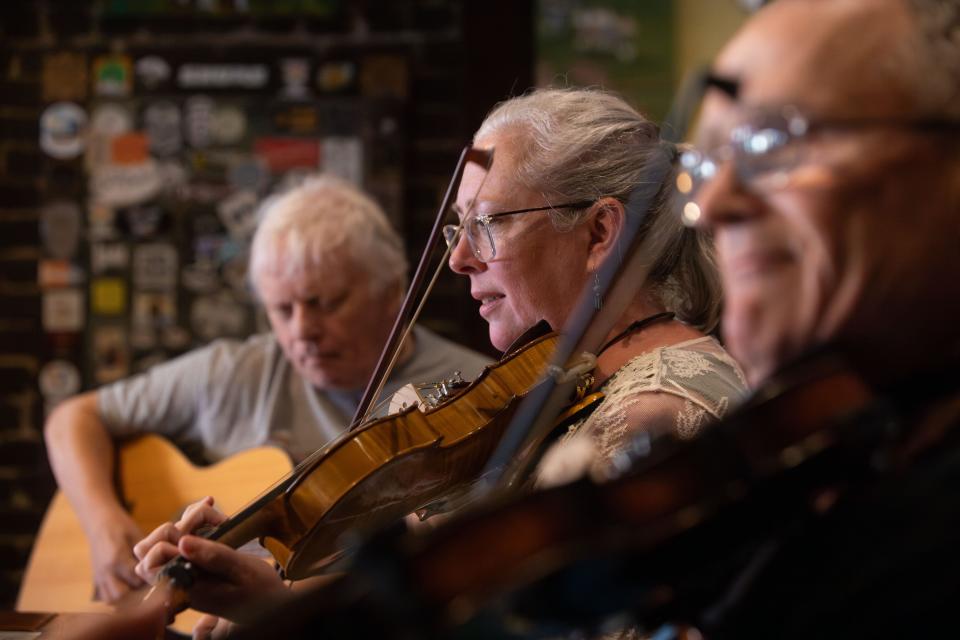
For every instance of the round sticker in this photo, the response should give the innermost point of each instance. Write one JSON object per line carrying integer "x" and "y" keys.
{"x": 228, "y": 125}
{"x": 59, "y": 379}
{"x": 110, "y": 119}
{"x": 62, "y": 127}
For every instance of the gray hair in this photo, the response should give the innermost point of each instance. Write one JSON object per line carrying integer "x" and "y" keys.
{"x": 928, "y": 64}
{"x": 584, "y": 144}
{"x": 314, "y": 225}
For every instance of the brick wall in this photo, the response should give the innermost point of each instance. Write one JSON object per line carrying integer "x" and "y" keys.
{"x": 464, "y": 56}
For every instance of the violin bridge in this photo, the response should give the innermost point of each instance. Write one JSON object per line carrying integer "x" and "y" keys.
{"x": 432, "y": 394}
{"x": 426, "y": 395}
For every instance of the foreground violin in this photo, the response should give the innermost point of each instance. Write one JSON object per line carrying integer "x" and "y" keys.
{"x": 383, "y": 470}
{"x": 665, "y": 543}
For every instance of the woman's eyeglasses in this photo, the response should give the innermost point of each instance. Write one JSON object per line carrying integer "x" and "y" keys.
{"x": 480, "y": 234}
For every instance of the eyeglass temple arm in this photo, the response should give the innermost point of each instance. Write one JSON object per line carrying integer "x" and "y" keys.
{"x": 482, "y": 157}
{"x": 689, "y": 97}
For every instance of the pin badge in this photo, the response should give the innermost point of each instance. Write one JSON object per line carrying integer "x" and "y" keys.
{"x": 62, "y": 129}
{"x": 111, "y": 75}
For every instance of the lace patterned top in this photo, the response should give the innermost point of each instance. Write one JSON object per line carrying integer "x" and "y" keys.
{"x": 679, "y": 388}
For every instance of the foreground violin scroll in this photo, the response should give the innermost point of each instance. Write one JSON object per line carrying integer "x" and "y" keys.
{"x": 663, "y": 544}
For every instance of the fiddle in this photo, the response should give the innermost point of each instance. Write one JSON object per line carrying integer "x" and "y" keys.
{"x": 661, "y": 544}
{"x": 385, "y": 469}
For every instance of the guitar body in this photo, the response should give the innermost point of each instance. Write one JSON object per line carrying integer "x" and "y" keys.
{"x": 156, "y": 483}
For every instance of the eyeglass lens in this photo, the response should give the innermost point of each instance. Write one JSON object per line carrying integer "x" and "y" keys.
{"x": 761, "y": 152}
{"x": 477, "y": 233}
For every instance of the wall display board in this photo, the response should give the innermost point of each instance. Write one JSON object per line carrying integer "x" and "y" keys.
{"x": 177, "y": 148}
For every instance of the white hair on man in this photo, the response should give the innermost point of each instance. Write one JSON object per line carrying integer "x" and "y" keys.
{"x": 320, "y": 223}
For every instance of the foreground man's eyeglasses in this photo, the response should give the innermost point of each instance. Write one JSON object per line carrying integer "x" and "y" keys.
{"x": 768, "y": 148}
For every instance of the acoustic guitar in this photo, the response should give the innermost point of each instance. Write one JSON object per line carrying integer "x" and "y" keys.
{"x": 156, "y": 482}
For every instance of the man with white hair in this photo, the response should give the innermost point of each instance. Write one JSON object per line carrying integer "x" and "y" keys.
{"x": 331, "y": 274}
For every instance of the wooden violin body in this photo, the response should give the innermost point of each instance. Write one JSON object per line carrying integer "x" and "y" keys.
{"x": 395, "y": 465}
{"x": 657, "y": 543}
{"x": 384, "y": 470}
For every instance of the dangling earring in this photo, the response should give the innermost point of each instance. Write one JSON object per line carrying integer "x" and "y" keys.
{"x": 597, "y": 299}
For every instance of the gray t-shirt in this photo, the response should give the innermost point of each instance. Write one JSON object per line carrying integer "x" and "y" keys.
{"x": 230, "y": 395}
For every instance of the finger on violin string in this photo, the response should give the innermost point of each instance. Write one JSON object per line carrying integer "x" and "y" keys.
{"x": 153, "y": 560}
{"x": 166, "y": 532}
{"x": 199, "y": 514}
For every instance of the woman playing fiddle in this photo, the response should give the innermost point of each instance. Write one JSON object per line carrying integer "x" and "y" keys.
{"x": 538, "y": 228}
{"x": 532, "y": 232}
